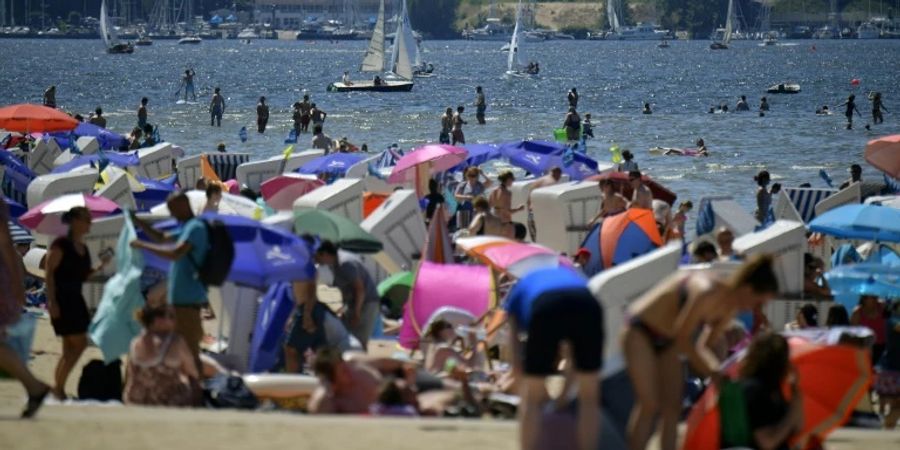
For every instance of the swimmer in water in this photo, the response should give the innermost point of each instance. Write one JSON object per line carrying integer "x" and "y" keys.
{"x": 877, "y": 106}
{"x": 647, "y": 109}
{"x": 823, "y": 111}
{"x": 763, "y": 105}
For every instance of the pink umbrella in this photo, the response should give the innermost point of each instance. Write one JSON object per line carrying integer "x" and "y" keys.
{"x": 46, "y": 218}
{"x": 437, "y": 158}
{"x": 441, "y": 287}
{"x": 519, "y": 259}
{"x": 281, "y": 191}
{"x": 884, "y": 154}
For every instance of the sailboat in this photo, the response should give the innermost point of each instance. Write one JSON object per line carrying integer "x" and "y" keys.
{"x": 729, "y": 27}
{"x": 108, "y": 33}
{"x": 514, "y": 66}
{"x": 401, "y": 65}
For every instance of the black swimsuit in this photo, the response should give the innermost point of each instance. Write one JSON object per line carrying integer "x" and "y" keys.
{"x": 660, "y": 341}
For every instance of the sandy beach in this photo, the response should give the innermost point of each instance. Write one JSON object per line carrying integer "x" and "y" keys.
{"x": 115, "y": 426}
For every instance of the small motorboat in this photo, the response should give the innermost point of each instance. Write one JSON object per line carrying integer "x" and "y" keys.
{"x": 143, "y": 41}
{"x": 784, "y": 88}
{"x": 718, "y": 46}
{"x": 770, "y": 41}
{"x": 120, "y": 48}
{"x": 190, "y": 40}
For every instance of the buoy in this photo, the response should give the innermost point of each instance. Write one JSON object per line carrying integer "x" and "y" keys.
{"x": 854, "y": 82}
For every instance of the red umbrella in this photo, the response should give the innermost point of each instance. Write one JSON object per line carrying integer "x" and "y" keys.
{"x": 623, "y": 185}
{"x": 884, "y": 154}
{"x": 832, "y": 380}
{"x": 28, "y": 118}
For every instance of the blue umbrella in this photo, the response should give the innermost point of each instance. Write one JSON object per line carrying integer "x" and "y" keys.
{"x": 579, "y": 168}
{"x": 478, "y": 155}
{"x": 122, "y": 160}
{"x": 852, "y": 280}
{"x": 864, "y": 222}
{"x": 543, "y": 147}
{"x": 108, "y": 140}
{"x": 264, "y": 255}
{"x": 333, "y": 164}
{"x": 155, "y": 192}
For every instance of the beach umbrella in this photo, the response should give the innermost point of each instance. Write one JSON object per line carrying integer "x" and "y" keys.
{"x": 623, "y": 185}
{"x": 433, "y": 157}
{"x": 438, "y": 248}
{"x": 512, "y": 257}
{"x": 395, "y": 289}
{"x": 28, "y": 118}
{"x": 831, "y": 378}
{"x": 281, "y": 191}
{"x": 863, "y": 222}
{"x": 264, "y": 254}
{"x": 230, "y": 204}
{"x": 107, "y": 139}
{"x": 880, "y": 280}
{"x": 620, "y": 238}
{"x": 16, "y": 209}
{"x": 337, "y": 229}
{"x": 478, "y": 155}
{"x": 884, "y": 154}
{"x": 440, "y": 287}
{"x": 333, "y": 164}
{"x": 154, "y": 192}
{"x": 100, "y": 160}
{"x": 45, "y": 218}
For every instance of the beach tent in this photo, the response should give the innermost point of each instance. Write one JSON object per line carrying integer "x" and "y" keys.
{"x": 438, "y": 286}
{"x": 620, "y": 238}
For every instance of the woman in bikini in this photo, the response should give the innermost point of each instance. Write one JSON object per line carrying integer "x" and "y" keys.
{"x": 654, "y": 343}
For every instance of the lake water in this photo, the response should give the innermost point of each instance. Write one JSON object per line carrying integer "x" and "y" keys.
{"x": 614, "y": 79}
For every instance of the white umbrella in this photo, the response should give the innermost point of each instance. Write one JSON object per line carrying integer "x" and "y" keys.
{"x": 230, "y": 204}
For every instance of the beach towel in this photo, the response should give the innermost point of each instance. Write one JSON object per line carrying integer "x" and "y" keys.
{"x": 114, "y": 326}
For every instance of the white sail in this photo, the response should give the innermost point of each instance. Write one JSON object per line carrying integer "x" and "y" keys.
{"x": 514, "y": 61}
{"x": 107, "y": 32}
{"x": 404, "y": 50}
{"x": 374, "y": 59}
{"x": 612, "y": 15}
{"x": 729, "y": 23}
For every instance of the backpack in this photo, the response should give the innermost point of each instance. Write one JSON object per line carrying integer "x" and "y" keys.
{"x": 228, "y": 391}
{"x": 100, "y": 381}
{"x": 214, "y": 269}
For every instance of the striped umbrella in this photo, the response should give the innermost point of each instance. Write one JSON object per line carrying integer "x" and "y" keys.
{"x": 512, "y": 257}
{"x": 280, "y": 192}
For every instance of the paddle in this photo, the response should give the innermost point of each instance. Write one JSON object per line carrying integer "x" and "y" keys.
{"x": 824, "y": 176}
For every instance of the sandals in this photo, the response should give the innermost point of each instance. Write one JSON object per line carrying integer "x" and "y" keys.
{"x": 34, "y": 403}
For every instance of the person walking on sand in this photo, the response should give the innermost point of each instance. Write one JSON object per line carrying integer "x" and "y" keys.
{"x": 216, "y": 108}
{"x": 458, "y": 122}
{"x": 262, "y": 115}
{"x": 573, "y": 98}
{"x": 142, "y": 113}
{"x": 11, "y": 304}
{"x": 683, "y": 317}
{"x": 68, "y": 267}
{"x": 552, "y": 306}
{"x": 850, "y": 106}
{"x": 361, "y": 302}
{"x": 186, "y": 293}
{"x": 480, "y": 105}
{"x": 50, "y": 97}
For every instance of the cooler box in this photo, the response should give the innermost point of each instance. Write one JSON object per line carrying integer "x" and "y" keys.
{"x": 343, "y": 197}
{"x": 253, "y": 173}
{"x": 787, "y": 241}
{"x": 562, "y": 213}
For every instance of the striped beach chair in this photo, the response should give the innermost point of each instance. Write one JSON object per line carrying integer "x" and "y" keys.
{"x": 226, "y": 164}
{"x": 15, "y": 178}
{"x": 18, "y": 234}
{"x": 806, "y": 199}
{"x": 892, "y": 185}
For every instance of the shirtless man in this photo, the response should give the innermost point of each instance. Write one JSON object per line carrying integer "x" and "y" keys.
{"x": 262, "y": 115}
{"x": 446, "y": 126}
{"x": 347, "y": 387}
{"x": 642, "y": 197}
{"x": 458, "y": 122}
{"x": 216, "y": 108}
{"x": 550, "y": 179}
{"x": 142, "y": 113}
{"x": 480, "y": 105}
{"x": 318, "y": 116}
{"x": 305, "y": 108}
{"x": 612, "y": 202}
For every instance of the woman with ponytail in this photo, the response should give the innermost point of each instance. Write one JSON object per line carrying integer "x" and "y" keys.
{"x": 68, "y": 267}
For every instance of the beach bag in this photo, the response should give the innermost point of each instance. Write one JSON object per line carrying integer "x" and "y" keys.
{"x": 733, "y": 419}
{"x": 228, "y": 391}
{"x": 101, "y": 381}
{"x": 216, "y": 266}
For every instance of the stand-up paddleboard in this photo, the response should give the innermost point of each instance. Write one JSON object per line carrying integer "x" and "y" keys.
{"x": 185, "y": 102}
